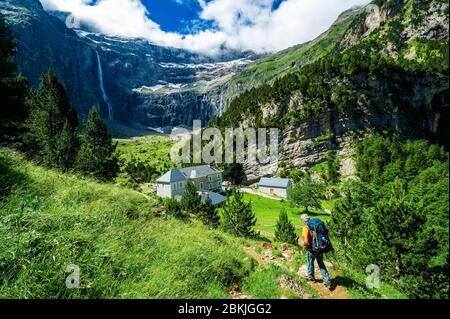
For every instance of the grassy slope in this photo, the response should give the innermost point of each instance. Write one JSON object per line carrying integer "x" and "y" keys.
{"x": 268, "y": 69}
{"x": 153, "y": 150}
{"x": 113, "y": 234}
{"x": 123, "y": 245}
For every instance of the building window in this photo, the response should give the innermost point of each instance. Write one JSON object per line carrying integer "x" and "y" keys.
{"x": 180, "y": 185}
{"x": 210, "y": 186}
{"x": 174, "y": 186}
{"x": 202, "y": 187}
{"x": 210, "y": 178}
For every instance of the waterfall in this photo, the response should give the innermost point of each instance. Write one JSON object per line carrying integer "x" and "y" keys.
{"x": 102, "y": 88}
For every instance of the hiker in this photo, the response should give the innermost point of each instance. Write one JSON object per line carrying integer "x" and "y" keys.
{"x": 314, "y": 252}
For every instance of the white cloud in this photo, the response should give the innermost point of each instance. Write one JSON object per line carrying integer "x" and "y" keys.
{"x": 241, "y": 24}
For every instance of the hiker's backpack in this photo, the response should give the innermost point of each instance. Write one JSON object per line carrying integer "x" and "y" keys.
{"x": 321, "y": 242}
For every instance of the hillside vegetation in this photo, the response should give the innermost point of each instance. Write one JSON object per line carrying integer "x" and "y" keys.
{"x": 393, "y": 70}
{"x": 121, "y": 241}
{"x": 266, "y": 70}
{"x": 127, "y": 247}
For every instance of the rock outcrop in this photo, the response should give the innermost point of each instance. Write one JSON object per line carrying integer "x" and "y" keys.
{"x": 410, "y": 102}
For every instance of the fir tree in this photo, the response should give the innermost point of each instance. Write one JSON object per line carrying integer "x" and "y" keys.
{"x": 208, "y": 214}
{"x": 50, "y": 110}
{"x": 332, "y": 175}
{"x": 97, "y": 156}
{"x": 66, "y": 148}
{"x": 191, "y": 201}
{"x": 13, "y": 89}
{"x": 237, "y": 216}
{"x": 285, "y": 230}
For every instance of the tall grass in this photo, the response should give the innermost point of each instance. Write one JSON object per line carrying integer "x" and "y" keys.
{"x": 123, "y": 247}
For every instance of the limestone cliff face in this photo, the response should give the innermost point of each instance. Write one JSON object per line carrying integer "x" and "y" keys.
{"x": 44, "y": 42}
{"x": 415, "y": 104}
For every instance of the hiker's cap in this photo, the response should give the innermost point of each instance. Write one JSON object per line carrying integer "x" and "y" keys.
{"x": 304, "y": 217}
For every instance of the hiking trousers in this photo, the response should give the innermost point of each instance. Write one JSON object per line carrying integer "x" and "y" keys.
{"x": 323, "y": 269}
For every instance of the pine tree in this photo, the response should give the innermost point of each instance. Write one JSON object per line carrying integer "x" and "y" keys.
{"x": 348, "y": 215}
{"x": 332, "y": 175}
{"x": 97, "y": 156}
{"x": 237, "y": 216}
{"x": 208, "y": 214}
{"x": 13, "y": 89}
{"x": 191, "y": 201}
{"x": 285, "y": 230}
{"x": 395, "y": 226}
{"x": 66, "y": 148}
{"x": 50, "y": 111}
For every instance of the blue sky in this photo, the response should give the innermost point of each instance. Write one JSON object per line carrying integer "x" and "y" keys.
{"x": 175, "y": 16}
{"x": 182, "y": 16}
{"x": 208, "y": 26}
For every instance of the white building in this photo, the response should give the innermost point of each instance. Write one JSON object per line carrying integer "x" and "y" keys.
{"x": 206, "y": 179}
{"x": 275, "y": 186}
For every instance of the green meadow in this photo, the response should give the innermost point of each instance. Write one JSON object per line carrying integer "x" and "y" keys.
{"x": 150, "y": 151}
{"x": 267, "y": 211}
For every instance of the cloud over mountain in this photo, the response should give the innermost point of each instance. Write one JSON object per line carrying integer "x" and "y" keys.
{"x": 238, "y": 24}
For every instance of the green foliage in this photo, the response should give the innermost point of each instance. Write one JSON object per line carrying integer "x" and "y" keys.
{"x": 208, "y": 214}
{"x": 144, "y": 159}
{"x": 263, "y": 283}
{"x": 173, "y": 207}
{"x": 50, "y": 115}
{"x": 13, "y": 89}
{"x": 97, "y": 156}
{"x": 332, "y": 172}
{"x": 382, "y": 159}
{"x": 191, "y": 200}
{"x": 285, "y": 230}
{"x": 349, "y": 211}
{"x": 398, "y": 217}
{"x": 307, "y": 194}
{"x": 66, "y": 147}
{"x": 237, "y": 215}
{"x": 116, "y": 237}
{"x": 335, "y": 84}
{"x": 289, "y": 171}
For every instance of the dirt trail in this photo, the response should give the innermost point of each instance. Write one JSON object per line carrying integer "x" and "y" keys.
{"x": 338, "y": 292}
{"x": 266, "y": 257}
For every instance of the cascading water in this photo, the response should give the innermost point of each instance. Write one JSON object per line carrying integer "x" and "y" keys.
{"x": 102, "y": 88}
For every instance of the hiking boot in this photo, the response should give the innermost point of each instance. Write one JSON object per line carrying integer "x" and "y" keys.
{"x": 330, "y": 286}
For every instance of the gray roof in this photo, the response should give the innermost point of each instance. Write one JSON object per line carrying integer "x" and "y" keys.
{"x": 172, "y": 176}
{"x": 274, "y": 182}
{"x": 216, "y": 198}
{"x": 199, "y": 171}
{"x": 180, "y": 174}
